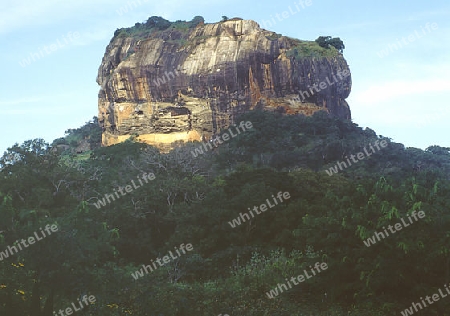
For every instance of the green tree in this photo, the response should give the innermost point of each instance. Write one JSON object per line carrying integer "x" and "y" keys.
{"x": 196, "y": 21}
{"x": 327, "y": 41}
{"x": 337, "y": 43}
{"x": 158, "y": 22}
{"x": 323, "y": 41}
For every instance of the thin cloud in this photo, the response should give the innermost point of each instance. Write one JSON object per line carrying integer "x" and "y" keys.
{"x": 24, "y": 13}
{"x": 27, "y": 13}
{"x": 428, "y": 14}
{"x": 41, "y": 111}
{"x": 34, "y": 99}
{"x": 21, "y": 101}
{"x": 395, "y": 89}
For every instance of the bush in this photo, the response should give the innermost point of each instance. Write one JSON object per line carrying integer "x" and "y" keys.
{"x": 310, "y": 49}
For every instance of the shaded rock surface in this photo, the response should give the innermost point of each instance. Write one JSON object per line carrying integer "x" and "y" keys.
{"x": 191, "y": 83}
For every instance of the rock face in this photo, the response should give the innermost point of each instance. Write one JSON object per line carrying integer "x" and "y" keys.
{"x": 189, "y": 82}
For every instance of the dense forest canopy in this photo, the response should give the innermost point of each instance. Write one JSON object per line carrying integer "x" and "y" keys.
{"x": 192, "y": 200}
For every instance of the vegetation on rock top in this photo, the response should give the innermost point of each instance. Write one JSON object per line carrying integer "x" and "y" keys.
{"x": 157, "y": 24}
{"x": 178, "y": 32}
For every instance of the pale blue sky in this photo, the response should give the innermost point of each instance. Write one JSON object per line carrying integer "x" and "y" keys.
{"x": 403, "y": 95}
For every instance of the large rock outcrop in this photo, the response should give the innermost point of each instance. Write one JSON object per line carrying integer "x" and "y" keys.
{"x": 188, "y": 81}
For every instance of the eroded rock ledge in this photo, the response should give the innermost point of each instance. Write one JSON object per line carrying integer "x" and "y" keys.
{"x": 188, "y": 83}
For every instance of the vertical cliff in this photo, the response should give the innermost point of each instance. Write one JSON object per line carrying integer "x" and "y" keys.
{"x": 165, "y": 81}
